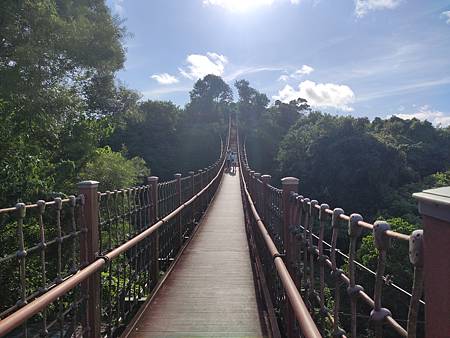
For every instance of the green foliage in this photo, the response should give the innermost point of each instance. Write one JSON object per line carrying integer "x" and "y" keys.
{"x": 251, "y": 104}
{"x": 397, "y": 264}
{"x": 57, "y": 65}
{"x": 210, "y": 99}
{"x": 426, "y": 149}
{"x": 339, "y": 161}
{"x": 398, "y": 267}
{"x": 113, "y": 170}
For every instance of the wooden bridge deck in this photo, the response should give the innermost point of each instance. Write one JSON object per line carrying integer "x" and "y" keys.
{"x": 210, "y": 292}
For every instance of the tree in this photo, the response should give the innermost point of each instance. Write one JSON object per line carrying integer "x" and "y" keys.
{"x": 286, "y": 114}
{"x": 57, "y": 60}
{"x": 113, "y": 170}
{"x": 210, "y": 100}
{"x": 427, "y": 149}
{"x": 151, "y": 132}
{"x": 339, "y": 162}
{"x": 251, "y": 104}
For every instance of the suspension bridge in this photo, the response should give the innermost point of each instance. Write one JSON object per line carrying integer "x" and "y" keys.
{"x": 216, "y": 254}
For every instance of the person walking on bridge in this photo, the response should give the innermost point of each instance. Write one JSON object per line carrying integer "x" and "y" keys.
{"x": 228, "y": 159}
{"x": 233, "y": 162}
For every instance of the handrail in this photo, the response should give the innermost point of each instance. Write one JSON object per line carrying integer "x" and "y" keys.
{"x": 17, "y": 318}
{"x": 305, "y": 321}
{"x": 303, "y": 207}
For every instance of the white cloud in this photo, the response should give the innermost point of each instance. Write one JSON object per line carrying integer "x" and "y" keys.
{"x": 165, "y": 78}
{"x": 305, "y": 70}
{"x": 436, "y": 117}
{"x": 199, "y": 65}
{"x": 362, "y": 7}
{"x": 244, "y": 5}
{"x": 446, "y": 15}
{"x": 326, "y": 95}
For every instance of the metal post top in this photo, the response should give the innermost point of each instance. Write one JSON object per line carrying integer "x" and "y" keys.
{"x": 153, "y": 178}
{"x": 289, "y": 180}
{"x": 177, "y": 175}
{"x": 435, "y": 203}
{"x": 88, "y": 184}
{"x": 265, "y": 176}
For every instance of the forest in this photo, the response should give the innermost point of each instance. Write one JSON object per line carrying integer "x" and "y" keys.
{"x": 65, "y": 118}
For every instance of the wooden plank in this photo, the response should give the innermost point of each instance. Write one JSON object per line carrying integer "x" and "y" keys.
{"x": 210, "y": 292}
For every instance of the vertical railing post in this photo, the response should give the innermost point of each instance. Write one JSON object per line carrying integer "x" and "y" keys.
{"x": 200, "y": 203}
{"x": 265, "y": 198}
{"x": 289, "y": 185}
{"x": 434, "y": 206}
{"x": 179, "y": 201}
{"x": 90, "y": 247}
{"x": 192, "y": 207}
{"x": 257, "y": 198}
{"x": 205, "y": 183}
{"x": 153, "y": 183}
{"x": 252, "y": 183}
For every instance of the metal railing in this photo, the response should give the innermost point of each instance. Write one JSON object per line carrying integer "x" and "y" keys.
{"x": 83, "y": 266}
{"x": 306, "y": 234}
{"x": 284, "y": 305}
{"x": 41, "y": 248}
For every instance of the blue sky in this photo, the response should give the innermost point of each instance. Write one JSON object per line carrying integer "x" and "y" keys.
{"x": 359, "y": 57}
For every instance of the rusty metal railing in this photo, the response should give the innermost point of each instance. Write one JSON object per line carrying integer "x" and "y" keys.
{"x": 41, "y": 249}
{"x": 96, "y": 257}
{"x": 283, "y": 295}
{"x": 300, "y": 227}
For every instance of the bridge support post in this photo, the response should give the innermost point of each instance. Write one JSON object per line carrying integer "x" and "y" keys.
{"x": 179, "y": 201}
{"x": 152, "y": 181}
{"x": 89, "y": 251}
{"x": 434, "y": 206}
{"x": 289, "y": 185}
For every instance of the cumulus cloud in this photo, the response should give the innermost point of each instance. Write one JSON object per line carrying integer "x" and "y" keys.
{"x": 322, "y": 95}
{"x": 304, "y": 70}
{"x": 283, "y": 78}
{"x": 362, "y": 7}
{"x": 199, "y": 65}
{"x": 436, "y": 117}
{"x": 244, "y": 5}
{"x": 446, "y": 15}
{"x": 165, "y": 78}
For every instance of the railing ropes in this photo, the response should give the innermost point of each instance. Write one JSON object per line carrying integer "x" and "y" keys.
{"x": 83, "y": 266}
{"x": 287, "y": 236}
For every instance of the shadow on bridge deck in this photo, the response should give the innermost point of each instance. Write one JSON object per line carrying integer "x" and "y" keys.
{"x": 210, "y": 292}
